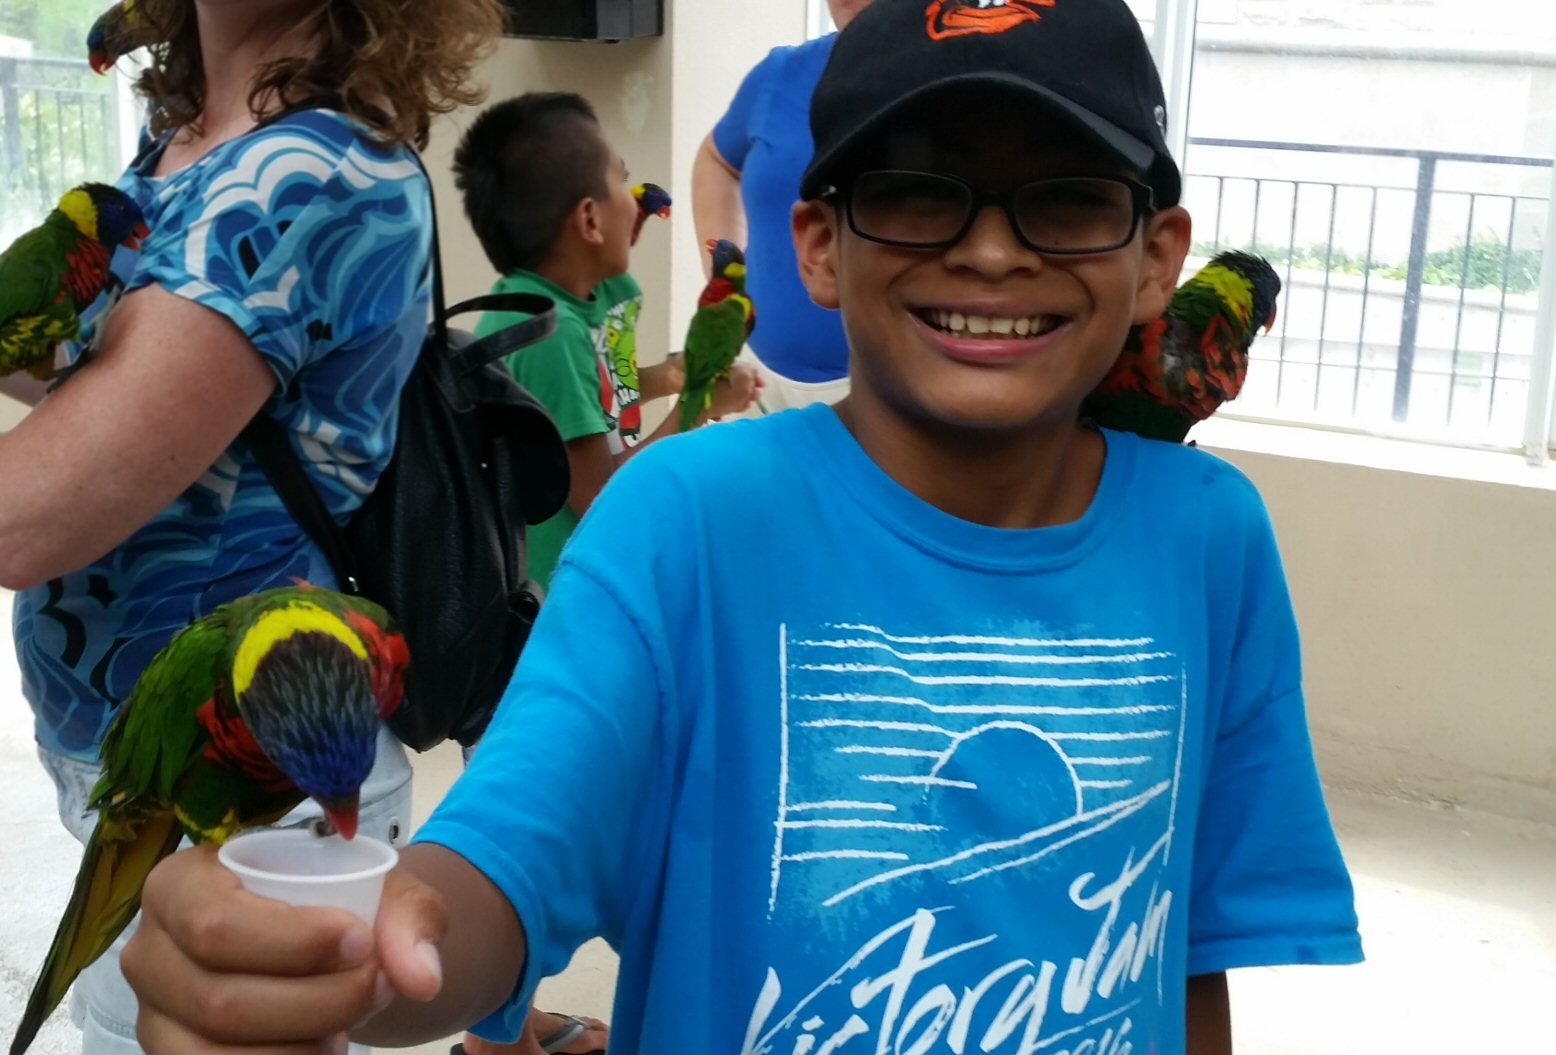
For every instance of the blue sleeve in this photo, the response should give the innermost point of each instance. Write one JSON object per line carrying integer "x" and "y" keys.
{"x": 1269, "y": 884}
{"x": 303, "y": 241}
{"x": 736, "y": 130}
{"x": 563, "y": 806}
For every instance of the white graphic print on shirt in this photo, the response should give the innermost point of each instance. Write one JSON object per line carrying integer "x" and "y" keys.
{"x": 948, "y": 804}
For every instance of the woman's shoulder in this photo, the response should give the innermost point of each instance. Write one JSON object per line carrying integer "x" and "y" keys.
{"x": 299, "y": 157}
{"x": 788, "y": 59}
{"x": 322, "y": 141}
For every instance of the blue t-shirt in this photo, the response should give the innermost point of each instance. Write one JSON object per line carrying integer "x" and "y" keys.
{"x": 766, "y": 135}
{"x": 932, "y": 785}
{"x": 314, "y": 240}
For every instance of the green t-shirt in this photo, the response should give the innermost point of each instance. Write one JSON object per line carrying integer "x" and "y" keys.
{"x": 585, "y": 375}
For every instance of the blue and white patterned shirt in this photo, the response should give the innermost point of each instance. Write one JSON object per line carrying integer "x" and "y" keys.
{"x": 314, "y": 239}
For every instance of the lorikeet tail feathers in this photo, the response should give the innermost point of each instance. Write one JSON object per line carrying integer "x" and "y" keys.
{"x": 105, "y": 899}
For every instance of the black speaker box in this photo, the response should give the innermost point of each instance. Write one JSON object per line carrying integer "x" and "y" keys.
{"x": 602, "y": 20}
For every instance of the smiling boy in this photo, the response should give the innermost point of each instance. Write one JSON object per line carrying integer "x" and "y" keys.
{"x": 1011, "y": 757}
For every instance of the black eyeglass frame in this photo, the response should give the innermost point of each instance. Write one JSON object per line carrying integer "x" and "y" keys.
{"x": 1142, "y": 197}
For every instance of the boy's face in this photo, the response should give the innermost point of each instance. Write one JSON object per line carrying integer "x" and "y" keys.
{"x": 617, "y": 213}
{"x": 916, "y": 318}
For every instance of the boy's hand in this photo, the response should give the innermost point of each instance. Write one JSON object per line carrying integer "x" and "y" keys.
{"x": 738, "y": 393}
{"x": 214, "y": 965}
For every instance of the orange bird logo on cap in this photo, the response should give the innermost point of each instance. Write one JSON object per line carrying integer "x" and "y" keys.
{"x": 960, "y": 18}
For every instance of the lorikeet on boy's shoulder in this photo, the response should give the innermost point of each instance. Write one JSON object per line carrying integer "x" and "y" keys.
{"x": 269, "y": 700}
{"x": 1177, "y": 369}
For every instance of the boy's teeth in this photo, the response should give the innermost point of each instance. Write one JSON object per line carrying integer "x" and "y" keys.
{"x": 990, "y": 325}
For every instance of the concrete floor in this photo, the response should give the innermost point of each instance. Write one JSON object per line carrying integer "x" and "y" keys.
{"x": 1458, "y": 913}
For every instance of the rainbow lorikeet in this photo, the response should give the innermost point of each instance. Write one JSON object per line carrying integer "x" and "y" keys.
{"x": 1177, "y": 369}
{"x": 653, "y": 200}
{"x": 268, "y": 700}
{"x": 53, "y": 272}
{"x": 117, "y": 32}
{"x": 724, "y": 320}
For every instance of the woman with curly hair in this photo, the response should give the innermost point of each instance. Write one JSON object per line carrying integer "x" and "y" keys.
{"x": 287, "y": 273}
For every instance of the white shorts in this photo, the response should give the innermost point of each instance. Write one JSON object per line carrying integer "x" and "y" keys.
{"x": 785, "y": 393}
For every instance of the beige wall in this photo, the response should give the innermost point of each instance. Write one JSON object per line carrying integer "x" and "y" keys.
{"x": 1428, "y": 614}
{"x": 657, "y": 99}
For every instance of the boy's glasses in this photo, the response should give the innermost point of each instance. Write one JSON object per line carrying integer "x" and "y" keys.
{"x": 923, "y": 210}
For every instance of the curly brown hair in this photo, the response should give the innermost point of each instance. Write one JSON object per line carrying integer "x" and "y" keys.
{"x": 392, "y": 64}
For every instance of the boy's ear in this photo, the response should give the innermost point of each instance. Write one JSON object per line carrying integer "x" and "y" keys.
{"x": 814, "y": 226}
{"x": 585, "y": 221}
{"x": 1168, "y": 234}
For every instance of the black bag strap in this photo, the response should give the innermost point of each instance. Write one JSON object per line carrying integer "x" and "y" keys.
{"x": 272, "y": 448}
{"x": 509, "y": 339}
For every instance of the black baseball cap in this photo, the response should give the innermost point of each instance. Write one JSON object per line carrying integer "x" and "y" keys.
{"x": 1084, "y": 60}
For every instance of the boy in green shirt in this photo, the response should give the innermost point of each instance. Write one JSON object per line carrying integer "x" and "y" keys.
{"x": 549, "y": 199}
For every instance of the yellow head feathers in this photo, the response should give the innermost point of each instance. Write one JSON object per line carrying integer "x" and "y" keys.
{"x": 279, "y": 624}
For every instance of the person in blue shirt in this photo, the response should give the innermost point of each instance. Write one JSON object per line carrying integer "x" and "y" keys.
{"x": 1011, "y": 755}
{"x": 745, "y": 181}
{"x": 287, "y": 272}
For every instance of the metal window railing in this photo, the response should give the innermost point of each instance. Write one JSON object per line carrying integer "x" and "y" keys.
{"x": 1435, "y": 336}
{"x": 56, "y": 130}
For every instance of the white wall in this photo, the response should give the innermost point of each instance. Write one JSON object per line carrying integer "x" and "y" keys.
{"x": 657, "y": 100}
{"x": 1428, "y": 614}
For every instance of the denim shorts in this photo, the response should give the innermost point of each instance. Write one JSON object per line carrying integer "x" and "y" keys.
{"x": 101, "y": 1001}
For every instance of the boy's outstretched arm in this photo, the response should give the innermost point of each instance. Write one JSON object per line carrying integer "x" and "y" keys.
{"x": 217, "y": 968}
{"x": 1208, "y": 1012}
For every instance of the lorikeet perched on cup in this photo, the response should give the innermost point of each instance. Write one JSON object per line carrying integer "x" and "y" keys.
{"x": 1177, "y": 369}
{"x": 51, "y": 273}
{"x": 117, "y": 32}
{"x": 269, "y": 700}
{"x": 653, "y": 200}
{"x": 724, "y": 320}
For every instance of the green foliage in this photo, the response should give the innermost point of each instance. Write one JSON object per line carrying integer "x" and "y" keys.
{"x": 57, "y": 28}
{"x": 1480, "y": 265}
{"x": 58, "y": 118}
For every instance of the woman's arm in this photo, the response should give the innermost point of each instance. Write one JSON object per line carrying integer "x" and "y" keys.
{"x": 717, "y": 210}
{"x": 172, "y": 386}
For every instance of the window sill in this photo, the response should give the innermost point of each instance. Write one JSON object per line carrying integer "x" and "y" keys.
{"x": 1374, "y": 452}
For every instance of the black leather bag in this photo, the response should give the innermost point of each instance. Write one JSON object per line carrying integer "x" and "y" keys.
{"x": 440, "y": 543}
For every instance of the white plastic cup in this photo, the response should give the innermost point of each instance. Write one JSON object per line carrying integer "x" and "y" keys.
{"x": 298, "y": 867}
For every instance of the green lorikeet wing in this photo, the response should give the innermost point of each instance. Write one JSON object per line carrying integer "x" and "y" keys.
{"x": 53, "y": 272}
{"x": 713, "y": 343}
{"x": 244, "y": 714}
{"x": 36, "y": 310}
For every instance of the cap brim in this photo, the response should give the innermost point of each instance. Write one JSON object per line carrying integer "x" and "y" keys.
{"x": 1138, "y": 155}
